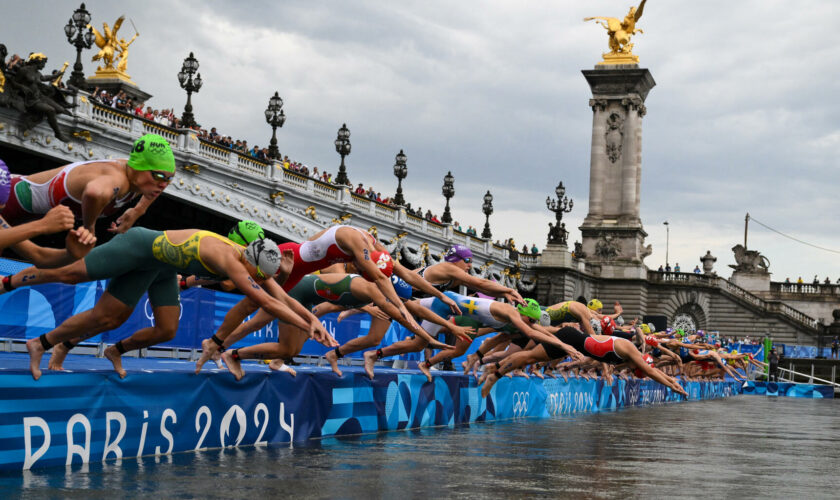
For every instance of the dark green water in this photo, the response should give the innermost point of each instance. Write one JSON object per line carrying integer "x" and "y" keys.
{"x": 742, "y": 447}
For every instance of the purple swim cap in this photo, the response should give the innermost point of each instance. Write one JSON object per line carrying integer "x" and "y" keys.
{"x": 457, "y": 252}
{"x": 5, "y": 183}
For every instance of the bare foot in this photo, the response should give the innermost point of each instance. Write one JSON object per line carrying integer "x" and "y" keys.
{"x": 424, "y": 369}
{"x": 56, "y": 361}
{"x": 115, "y": 358}
{"x": 537, "y": 373}
{"x": 520, "y": 373}
{"x": 489, "y": 381}
{"x": 281, "y": 366}
{"x": 217, "y": 358}
{"x": 208, "y": 349}
{"x": 370, "y": 361}
{"x": 233, "y": 365}
{"x": 36, "y": 350}
{"x": 332, "y": 357}
{"x": 471, "y": 359}
{"x": 488, "y": 370}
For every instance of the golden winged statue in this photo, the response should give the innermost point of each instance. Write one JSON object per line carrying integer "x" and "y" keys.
{"x": 107, "y": 43}
{"x": 620, "y": 31}
{"x": 113, "y": 51}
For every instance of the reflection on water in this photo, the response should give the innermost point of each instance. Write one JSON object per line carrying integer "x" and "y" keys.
{"x": 747, "y": 446}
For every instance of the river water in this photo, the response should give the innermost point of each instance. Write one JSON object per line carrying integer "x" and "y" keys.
{"x": 745, "y": 446}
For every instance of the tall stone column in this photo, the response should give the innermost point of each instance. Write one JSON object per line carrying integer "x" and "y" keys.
{"x": 613, "y": 236}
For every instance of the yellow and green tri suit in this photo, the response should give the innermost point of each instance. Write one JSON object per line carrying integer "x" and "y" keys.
{"x": 561, "y": 314}
{"x": 141, "y": 260}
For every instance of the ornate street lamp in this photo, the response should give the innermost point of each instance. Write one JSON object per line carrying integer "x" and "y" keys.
{"x": 448, "y": 190}
{"x": 557, "y": 233}
{"x": 342, "y": 147}
{"x": 275, "y": 117}
{"x": 487, "y": 208}
{"x": 81, "y": 39}
{"x": 190, "y": 84}
{"x": 400, "y": 171}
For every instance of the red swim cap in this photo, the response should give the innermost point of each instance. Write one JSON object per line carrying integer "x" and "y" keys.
{"x": 651, "y": 341}
{"x": 383, "y": 261}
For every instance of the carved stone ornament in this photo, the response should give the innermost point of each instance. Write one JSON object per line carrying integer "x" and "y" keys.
{"x": 634, "y": 104}
{"x": 606, "y": 247}
{"x": 614, "y": 136}
{"x": 749, "y": 260}
{"x": 598, "y": 104}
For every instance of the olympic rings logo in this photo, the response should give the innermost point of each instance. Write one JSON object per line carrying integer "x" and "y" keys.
{"x": 520, "y": 403}
{"x": 553, "y": 404}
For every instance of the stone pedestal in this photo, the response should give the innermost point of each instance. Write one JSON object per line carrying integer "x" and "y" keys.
{"x": 556, "y": 256}
{"x": 114, "y": 81}
{"x": 756, "y": 281}
{"x": 613, "y": 236}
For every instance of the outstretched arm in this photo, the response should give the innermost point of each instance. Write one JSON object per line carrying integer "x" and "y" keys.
{"x": 125, "y": 221}
{"x": 420, "y": 283}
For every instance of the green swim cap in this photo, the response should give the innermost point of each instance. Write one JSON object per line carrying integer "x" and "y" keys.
{"x": 531, "y": 310}
{"x": 152, "y": 152}
{"x": 245, "y": 231}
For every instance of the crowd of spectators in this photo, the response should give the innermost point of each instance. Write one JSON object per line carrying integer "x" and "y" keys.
{"x": 800, "y": 281}
{"x": 167, "y": 117}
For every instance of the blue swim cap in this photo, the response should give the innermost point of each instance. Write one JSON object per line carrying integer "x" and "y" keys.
{"x": 403, "y": 289}
{"x": 5, "y": 183}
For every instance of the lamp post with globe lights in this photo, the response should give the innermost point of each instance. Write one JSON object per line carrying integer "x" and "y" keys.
{"x": 448, "y": 191}
{"x": 81, "y": 39}
{"x": 487, "y": 208}
{"x": 342, "y": 147}
{"x": 275, "y": 117}
{"x": 190, "y": 84}
{"x": 557, "y": 233}
{"x": 400, "y": 171}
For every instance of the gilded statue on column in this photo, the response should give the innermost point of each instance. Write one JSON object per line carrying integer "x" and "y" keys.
{"x": 113, "y": 51}
{"x": 619, "y": 32}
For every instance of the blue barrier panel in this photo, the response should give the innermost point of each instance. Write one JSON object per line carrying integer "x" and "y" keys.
{"x": 791, "y": 390}
{"x": 29, "y": 312}
{"x": 91, "y": 414}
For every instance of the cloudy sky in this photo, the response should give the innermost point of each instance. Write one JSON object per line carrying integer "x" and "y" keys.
{"x": 744, "y": 117}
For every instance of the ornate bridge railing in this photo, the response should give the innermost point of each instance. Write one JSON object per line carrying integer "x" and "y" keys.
{"x": 808, "y": 289}
{"x": 733, "y": 290}
{"x": 239, "y": 186}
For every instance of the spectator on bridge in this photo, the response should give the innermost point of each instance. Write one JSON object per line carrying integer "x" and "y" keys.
{"x": 524, "y": 248}
{"x": 696, "y": 269}
{"x": 677, "y": 267}
{"x": 816, "y": 280}
{"x": 800, "y": 280}
{"x": 787, "y": 281}
{"x": 661, "y": 269}
{"x": 667, "y": 268}
{"x": 457, "y": 227}
{"x": 827, "y": 280}
{"x": 534, "y": 249}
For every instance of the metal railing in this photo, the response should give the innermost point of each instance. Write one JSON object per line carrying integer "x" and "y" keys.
{"x": 810, "y": 377}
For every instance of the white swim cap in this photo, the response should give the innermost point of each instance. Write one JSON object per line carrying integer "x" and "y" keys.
{"x": 264, "y": 255}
